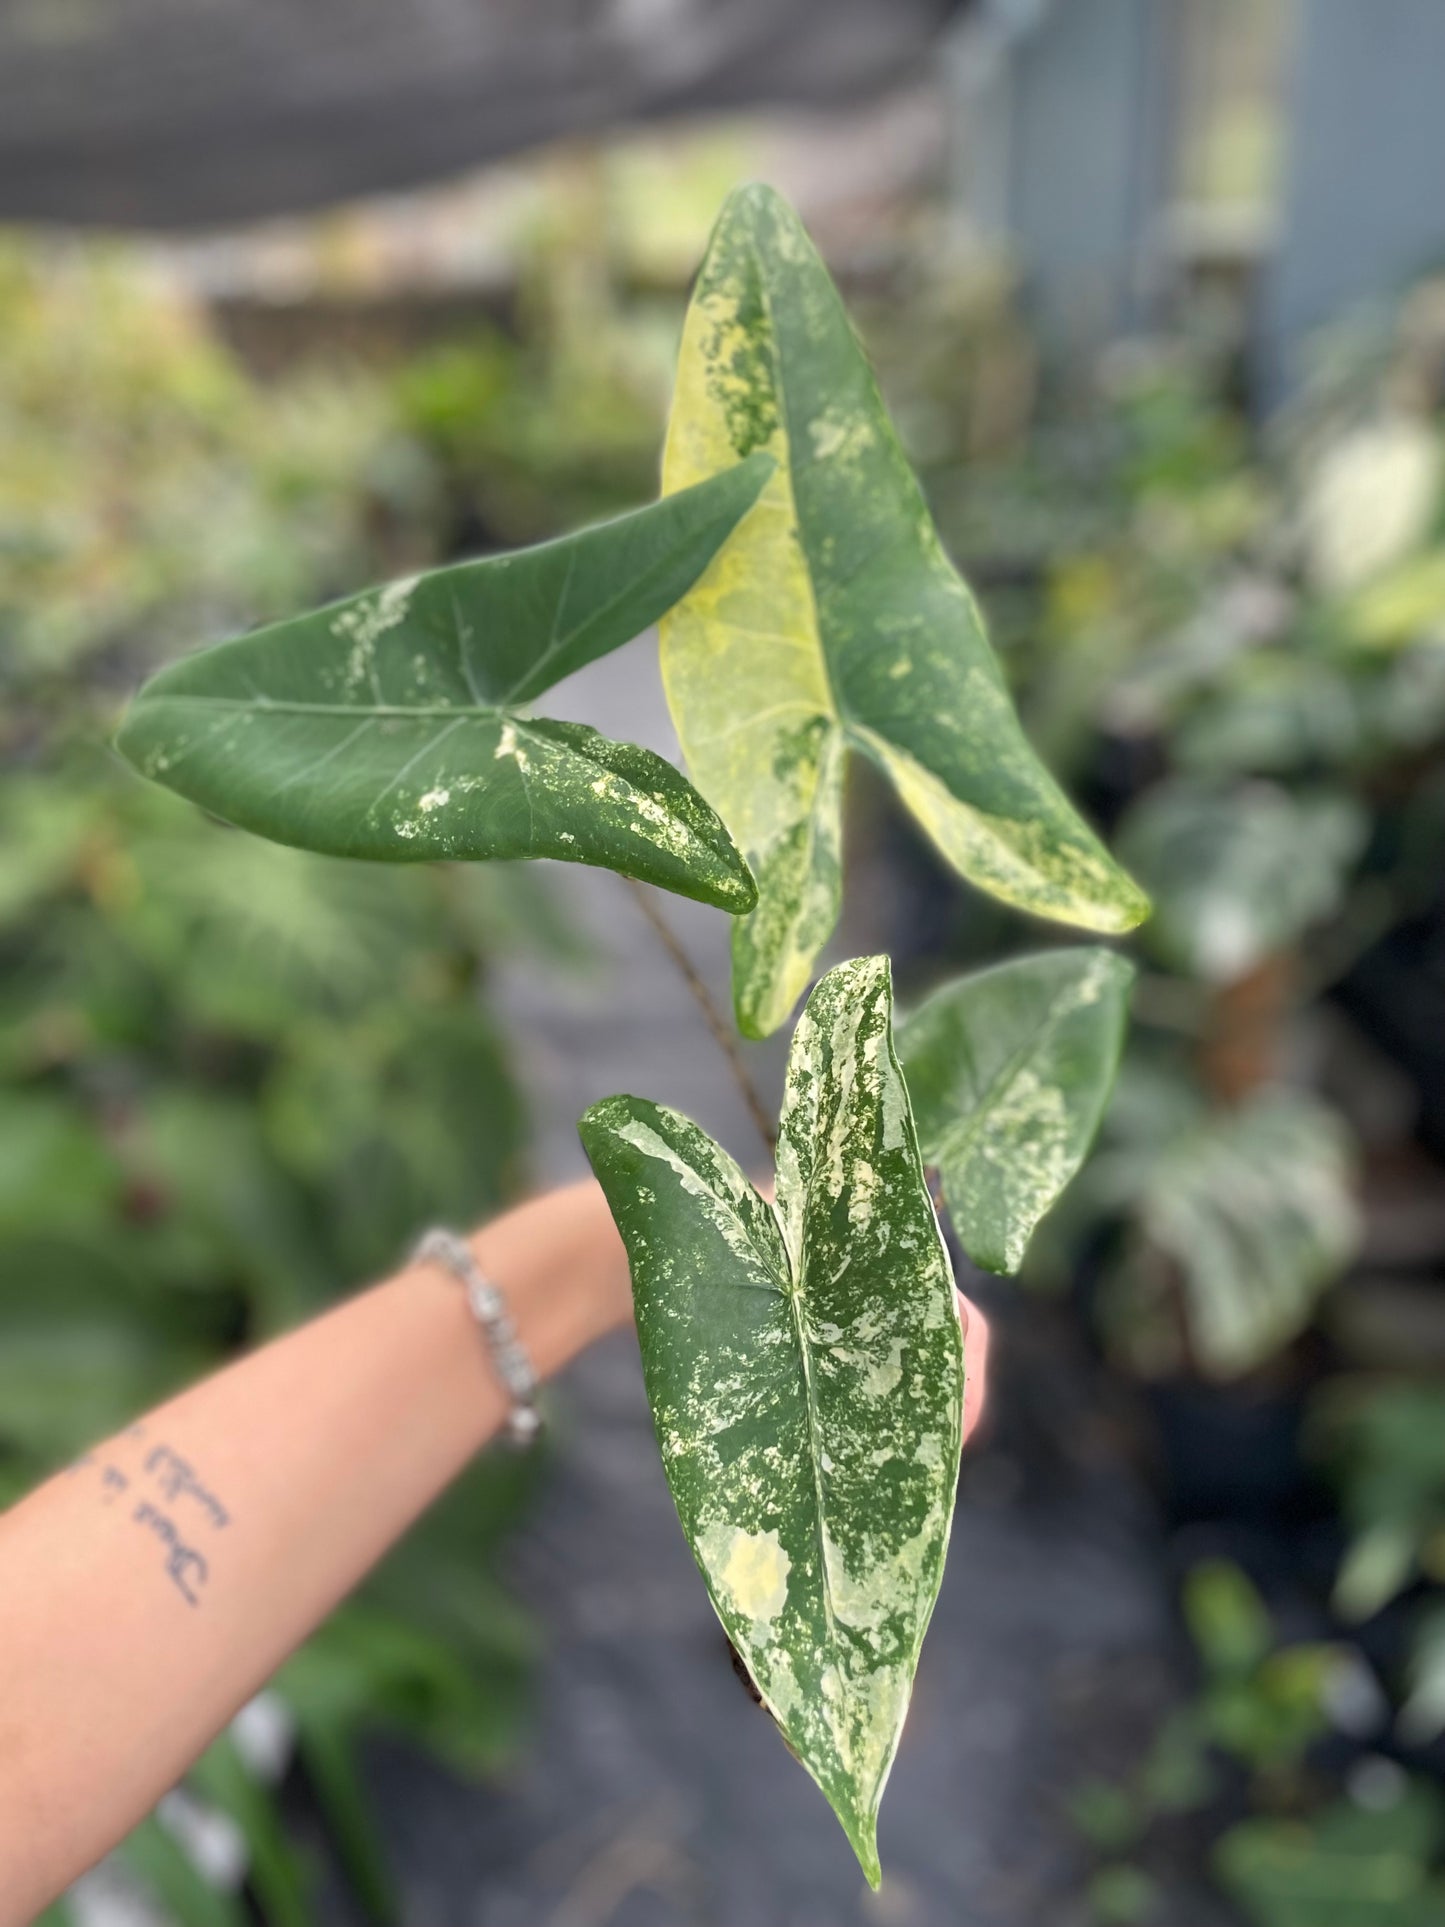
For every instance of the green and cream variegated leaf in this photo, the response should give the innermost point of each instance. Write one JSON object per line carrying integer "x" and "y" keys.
{"x": 396, "y": 725}
{"x": 1009, "y": 1072}
{"x": 835, "y": 622}
{"x": 804, "y": 1364}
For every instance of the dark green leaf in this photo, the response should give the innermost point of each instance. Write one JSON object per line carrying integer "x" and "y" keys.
{"x": 804, "y": 1366}
{"x": 165, "y": 1868}
{"x": 394, "y": 725}
{"x": 1008, "y": 1073}
{"x": 276, "y": 1872}
{"x": 328, "y": 1753}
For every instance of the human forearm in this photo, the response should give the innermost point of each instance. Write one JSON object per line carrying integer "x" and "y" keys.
{"x": 148, "y": 1592}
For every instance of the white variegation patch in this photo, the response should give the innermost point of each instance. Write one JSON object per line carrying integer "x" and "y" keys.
{"x": 804, "y": 1366}
{"x": 1009, "y": 1072}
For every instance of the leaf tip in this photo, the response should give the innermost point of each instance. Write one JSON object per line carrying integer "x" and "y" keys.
{"x": 1135, "y": 905}
{"x": 737, "y": 893}
{"x": 862, "y": 1832}
{"x": 600, "y": 1118}
{"x": 750, "y": 197}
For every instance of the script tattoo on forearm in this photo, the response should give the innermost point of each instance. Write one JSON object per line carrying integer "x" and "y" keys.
{"x": 168, "y": 1500}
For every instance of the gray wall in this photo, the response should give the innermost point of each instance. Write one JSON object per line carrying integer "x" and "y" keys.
{"x": 1062, "y": 110}
{"x": 1364, "y": 203}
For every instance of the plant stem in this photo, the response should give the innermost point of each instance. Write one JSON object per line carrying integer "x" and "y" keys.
{"x": 722, "y": 1032}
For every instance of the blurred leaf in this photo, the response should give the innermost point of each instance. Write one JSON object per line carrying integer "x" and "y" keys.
{"x": 1226, "y": 1617}
{"x": 1379, "y": 1564}
{"x": 328, "y": 1754}
{"x": 1238, "y": 874}
{"x": 1009, "y": 1072}
{"x": 1261, "y": 1706}
{"x": 1349, "y": 1867}
{"x": 275, "y": 1871}
{"x": 56, "y": 1171}
{"x": 167, "y": 1871}
{"x": 404, "y": 1119}
{"x": 1368, "y": 499}
{"x": 1403, "y": 606}
{"x": 1384, "y": 1443}
{"x": 1253, "y": 1213}
{"x": 84, "y": 1349}
{"x": 1271, "y": 1720}
{"x": 1108, "y": 1816}
{"x": 165, "y": 982}
{"x": 1123, "y": 1896}
{"x": 1177, "y": 1776}
{"x": 44, "y": 827}
{"x": 1278, "y": 714}
{"x": 1422, "y": 1717}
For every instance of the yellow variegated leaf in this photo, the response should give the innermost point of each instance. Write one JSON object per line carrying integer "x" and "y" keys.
{"x": 834, "y": 621}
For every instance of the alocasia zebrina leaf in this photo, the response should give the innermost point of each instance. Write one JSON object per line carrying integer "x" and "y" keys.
{"x": 1009, "y": 1072}
{"x": 395, "y": 724}
{"x": 834, "y": 621}
{"x": 804, "y": 1364}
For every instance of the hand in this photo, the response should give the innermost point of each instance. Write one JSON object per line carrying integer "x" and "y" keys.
{"x": 975, "y": 1364}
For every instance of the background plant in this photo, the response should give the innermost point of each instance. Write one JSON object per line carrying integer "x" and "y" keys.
{"x": 1094, "y": 531}
{"x": 233, "y": 1078}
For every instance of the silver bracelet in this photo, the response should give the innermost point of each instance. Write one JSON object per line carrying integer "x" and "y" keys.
{"x": 442, "y": 1247}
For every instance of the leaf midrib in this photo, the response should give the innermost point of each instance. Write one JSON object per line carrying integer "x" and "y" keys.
{"x": 834, "y": 711}
{"x": 838, "y": 713}
{"x": 794, "y": 1296}
{"x": 291, "y": 706}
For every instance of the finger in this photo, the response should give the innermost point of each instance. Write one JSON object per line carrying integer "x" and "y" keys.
{"x": 975, "y": 1363}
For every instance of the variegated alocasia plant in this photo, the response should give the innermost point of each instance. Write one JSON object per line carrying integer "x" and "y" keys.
{"x": 803, "y": 1355}
{"x": 397, "y": 725}
{"x": 834, "y": 622}
{"x": 804, "y": 1363}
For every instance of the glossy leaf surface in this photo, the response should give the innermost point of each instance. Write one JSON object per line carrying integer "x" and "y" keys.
{"x": 835, "y": 622}
{"x": 1009, "y": 1072}
{"x": 804, "y": 1364}
{"x": 395, "y": 725}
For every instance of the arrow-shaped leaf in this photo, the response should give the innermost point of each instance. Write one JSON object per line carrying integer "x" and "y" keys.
{"x": 1009, "y": 1072}
{"x": 804, "y": 1364}
{"x": 834, "y": 622}
{"x": 393, "y": 725}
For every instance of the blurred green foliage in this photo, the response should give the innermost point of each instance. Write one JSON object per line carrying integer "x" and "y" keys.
{"x": 1258, "y": 1716}
{"x": 1234, "y": 640}
{"x": 1230, "y": 636}
{"x": 1348, "y": 1865}
{"x": 235, "y": 1079}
